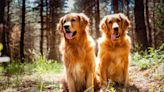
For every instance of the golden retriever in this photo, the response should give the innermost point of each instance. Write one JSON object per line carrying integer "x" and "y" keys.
{"x": 114, "y": 49}
{"x": 77, "y": 48}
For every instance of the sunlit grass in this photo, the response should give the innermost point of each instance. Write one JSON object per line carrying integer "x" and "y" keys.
{"x": 151, "y": 61}
{"x": 42, "y": 65}
{"x": 152, "y": 57}
{"x": 14, "y": 74}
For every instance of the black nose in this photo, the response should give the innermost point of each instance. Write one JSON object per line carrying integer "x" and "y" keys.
{"x": 116, "y": 29}
{"x": 66, "y": 26}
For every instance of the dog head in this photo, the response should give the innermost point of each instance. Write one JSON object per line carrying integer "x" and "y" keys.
{"x": 115, "y": 26}
{"x": 72, "y": 25}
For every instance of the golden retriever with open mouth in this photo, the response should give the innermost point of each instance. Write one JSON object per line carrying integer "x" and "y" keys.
{"x": 114, "y": 49}
{"x": 77, "y": 48}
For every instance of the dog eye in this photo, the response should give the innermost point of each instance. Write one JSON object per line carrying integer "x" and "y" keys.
{"x": 73, "y": 20}
{"x": 118, "y": 20}
{"x": 64, "y": 21}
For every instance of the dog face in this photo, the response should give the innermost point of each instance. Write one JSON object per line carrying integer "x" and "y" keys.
{"x": 72, "y": 25}
{"x": 114, "y": 26}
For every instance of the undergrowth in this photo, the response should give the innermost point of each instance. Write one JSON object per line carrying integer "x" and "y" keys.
{"x": 44, "y": 66}
{"x": 153, "y": 62}
{"x": 12, "y": 73}
{"x": 152, "y": 57}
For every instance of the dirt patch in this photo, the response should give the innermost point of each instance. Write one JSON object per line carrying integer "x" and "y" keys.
{"x": 144, "y": 80}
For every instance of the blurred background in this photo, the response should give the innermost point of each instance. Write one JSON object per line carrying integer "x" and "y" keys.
{"x": 28, "y": 26}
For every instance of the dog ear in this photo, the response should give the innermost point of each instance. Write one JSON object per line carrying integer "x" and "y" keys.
{"x": 103, "y": 25}
{"x": 125, "y": 21}
{"x": 59, "y": 27}
{"x": 84, "y": 20}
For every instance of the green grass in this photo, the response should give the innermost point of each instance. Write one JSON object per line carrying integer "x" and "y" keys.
{"x": 40, "y": 65}
{"x": 110, "y": 87}
{"x": 153, "y": 62}
{"x": 45, "y": 66}
{"x": 152, "y": 57}
{"x": 11, "y": 76}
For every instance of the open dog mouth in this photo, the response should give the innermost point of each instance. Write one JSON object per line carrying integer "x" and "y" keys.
{"x": 70, "y": 34}
{"x": 115, "y": 36}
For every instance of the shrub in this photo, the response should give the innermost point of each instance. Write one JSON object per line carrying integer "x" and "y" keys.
{"x": 149, "y": 58}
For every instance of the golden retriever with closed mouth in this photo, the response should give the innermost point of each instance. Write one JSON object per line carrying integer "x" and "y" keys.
{"x": 114, "y": 49}
{"x": 77, "y": 48}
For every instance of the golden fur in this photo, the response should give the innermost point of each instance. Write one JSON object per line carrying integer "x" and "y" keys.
{"x": 77, "y": 48}
{"x": 114, "y": 49}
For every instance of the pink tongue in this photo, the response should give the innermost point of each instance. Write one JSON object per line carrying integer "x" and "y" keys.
{"x": 113, "y": 37}
{"x": 69, "y": 35}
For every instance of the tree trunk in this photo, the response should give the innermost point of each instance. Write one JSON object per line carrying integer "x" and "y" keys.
{"x": 2, "y": 27}
{"x": 8, "y": 27}
{"x": 148, "y": 24}
{"x": 128, "y": 8}
{"x": 53, "y": 36}
{"x": 2, "y": 11}
{"x": 97, "y": 19}
{"x": 47, "y": 24}
{"x": 154, "y": 29}
{"x": 140, "y": 24}
{"x": 4, "y": 40}
{"x": 115, "y": 6}
{"x": 22, "y": 32}
{"x": 41, "y": 35}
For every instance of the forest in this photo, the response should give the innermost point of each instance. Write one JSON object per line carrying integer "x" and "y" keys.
{"x": 30, "y": 60}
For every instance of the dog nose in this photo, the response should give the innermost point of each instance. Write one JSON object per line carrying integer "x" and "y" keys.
{"x": 115, "y": 29}
{"x": 66, "y": 26}
{"x": 115, "y": 26}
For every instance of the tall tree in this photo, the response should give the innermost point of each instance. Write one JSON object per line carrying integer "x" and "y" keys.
{"x": 47, "y": 24}
{"x": 2, "y": 25}
{"x": 140, "y": 28}
{"x": 127, "y": 5}
{"x": 22, "y": 31}
{"x": 115, "y": 6}
{"x": 154, "y": 29}
{"x": 42, "y": 33}
{"x": 55, "y": 13}
{"x": 97, "y": 18}
{"x": 8, "y": 26}
{"x": 2, "y": 11}
{"x": 148, "y": 24}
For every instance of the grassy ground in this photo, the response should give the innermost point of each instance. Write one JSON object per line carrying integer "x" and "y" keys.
{"x": 146, "y": 74}
{"x": 40, "y": 76}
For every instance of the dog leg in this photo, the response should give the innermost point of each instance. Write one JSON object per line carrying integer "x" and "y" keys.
{"x": 90, "y": 82}
{"x": 71, "y": 84}
{"x": 126, "y": 73}
{"x": 63, "y": 85}
{"x": 103, "y": 77}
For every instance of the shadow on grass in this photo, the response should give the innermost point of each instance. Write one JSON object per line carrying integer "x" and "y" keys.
{"x": 130, "y": 88}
